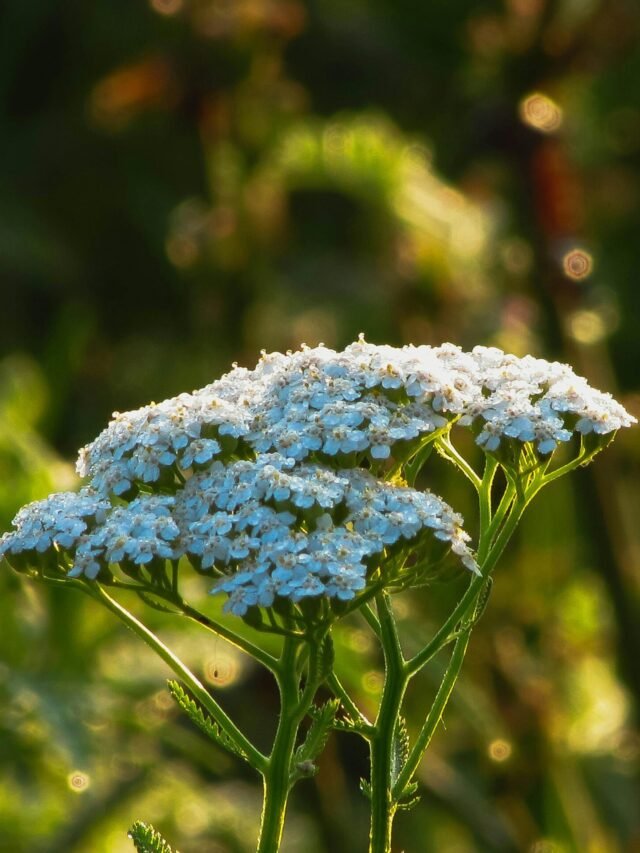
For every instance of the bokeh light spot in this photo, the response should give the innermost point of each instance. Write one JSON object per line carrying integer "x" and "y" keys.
{"x": 221, "y": 670}
{"x": 78, "y": 781}
{"x": 587, "y": 327}
{"x": 167, "y": 7}
{"x": 358, "y": 640}
{"x": 540, "y": 112}
{"x": 545, "y": 845}
{"x": 517, "y": 256}
{"x": 577, "y": 264}
{"x": 373, "y": 681}
{"x": 499, "y": 750}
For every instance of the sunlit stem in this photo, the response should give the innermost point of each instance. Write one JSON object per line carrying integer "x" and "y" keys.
{"x": 511, "y": 509}
{"x": 446, "y": 449}
{"x": 435, "y": 714}
{"x": 294, "y": 705}
{"x": 382, "y": 743}
{"x": 222, "y": 631}
{"x": 276, "y": 776}
{"x": 488, "y": 534}
{"x": 230, "y": 636}
{"x": 448, "y": 629}
{"x": 371, "y": 619}
{"x": 583, "y": 458}
{"x": 254, "y": 756}
{"x": 468, "y": 600}
{"x": 341, "y": 693}
{"x": 484, "y": 492}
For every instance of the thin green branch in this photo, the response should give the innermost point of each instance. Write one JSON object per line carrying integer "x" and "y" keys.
{"x": 257, "y": 760}
{"x": 263, "y": 657}
{"x": 434, "y": 716}
{"x": 449, "y": 452}
{"x": 371, "y": 619}
{"x": 488, "y": 535}
{"x": 228, "y": 634}
{"x": 583, "y": 458}
{"x": 445, "y": 633}
{"x": 277, "y": 773}
{"x": 340, "y": 692}
{"x": 315, "y": 673}
{"x": 484, "y": 493}
{"x": 389, "y": 631}
{"x": 383, "y": 741}
{"x": 464, "y": 606}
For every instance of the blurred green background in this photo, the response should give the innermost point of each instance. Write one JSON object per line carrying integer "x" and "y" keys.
{"x": 185, "y": 182}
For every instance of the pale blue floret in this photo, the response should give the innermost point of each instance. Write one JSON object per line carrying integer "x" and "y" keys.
{"x": 489, "y": 441}
{"x": 339, "y": 414}
{"x": 380, "y": 451}
{"x": 200, "y": 450}
{"x": 521, "y": 428}
{"x": 345, "y": 585}
{"x": 585, "y": 426}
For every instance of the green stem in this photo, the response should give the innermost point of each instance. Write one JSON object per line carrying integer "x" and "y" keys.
{"x": 583, "y": 458}
{"x": 173, "y": 597}
{"x": 340, "y": 692}
{"x": 383, "y": 805}
{"x": 468, "y": 600}
{"x": 230, "y": 636}
{"x": 462, "y": 613}
{"x": 488, "y": 534}
{"x": 277, "y": 773}
{"x": 484, "y": 493}
{"x": 294, "y": 705}
{"x": 443, "y": 635}
{"x": 435, "y": 714}
{"x": 371, "y": 619}
{"x": 446, "y": 449}
{"x": 254, "y": 756}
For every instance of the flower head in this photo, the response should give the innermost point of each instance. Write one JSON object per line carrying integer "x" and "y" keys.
{"x": 272, "y": 479}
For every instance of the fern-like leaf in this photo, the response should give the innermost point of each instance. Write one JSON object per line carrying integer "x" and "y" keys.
{"x": 147, "y": 839}
{"x": 401, "y": 748}
{"x": 203, "y": 721}
{"x": 322, "y": 723}
{"x": 365, "y": 788}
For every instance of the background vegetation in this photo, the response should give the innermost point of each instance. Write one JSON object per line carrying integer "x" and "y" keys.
{"x": 186, "y": 182}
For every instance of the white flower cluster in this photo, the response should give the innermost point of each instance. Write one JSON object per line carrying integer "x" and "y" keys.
{"x": 137, "y": 445}
{"x": 359, "y": 403}
{"x": 267, "y": 526}
{"x": 271, "y": 470}
{"x": 302, "y": 530}
{"x": 59, "y": 520}
{"x": 90, "y": 532}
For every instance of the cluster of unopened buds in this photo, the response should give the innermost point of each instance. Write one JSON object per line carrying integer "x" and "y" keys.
{"x": 273, "y": 478}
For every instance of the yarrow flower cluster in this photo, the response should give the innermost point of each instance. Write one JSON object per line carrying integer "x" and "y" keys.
{"x": 265, "y": 527}
{"x": 361, "y": 402}
{"x": 270, "y": 478}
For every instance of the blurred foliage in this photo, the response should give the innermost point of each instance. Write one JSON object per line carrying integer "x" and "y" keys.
{"x": 188, "y": 181}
